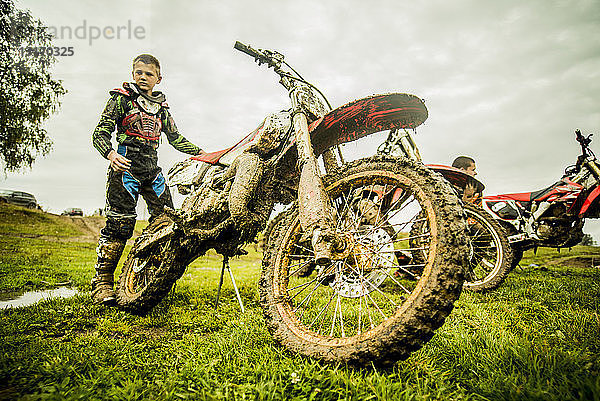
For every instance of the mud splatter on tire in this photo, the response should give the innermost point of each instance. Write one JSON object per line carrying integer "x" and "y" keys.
{"x": 342, "y": 291}
{"x": 148, "y": 276}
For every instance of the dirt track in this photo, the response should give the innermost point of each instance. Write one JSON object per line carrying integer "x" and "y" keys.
{"x": 581, "y": 261}
{"x": 89, "y": 226}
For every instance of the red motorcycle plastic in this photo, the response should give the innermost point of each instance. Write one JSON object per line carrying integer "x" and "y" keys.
{"x": 553, "y": 216}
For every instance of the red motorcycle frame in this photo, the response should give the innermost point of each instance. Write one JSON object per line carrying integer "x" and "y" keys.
{"x": 553, "y": 216}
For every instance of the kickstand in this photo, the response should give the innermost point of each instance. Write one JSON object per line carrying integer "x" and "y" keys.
{"x": 237, "y": 292}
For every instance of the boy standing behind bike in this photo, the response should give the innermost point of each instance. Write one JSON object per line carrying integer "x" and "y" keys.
{"x": 139, "y": 116}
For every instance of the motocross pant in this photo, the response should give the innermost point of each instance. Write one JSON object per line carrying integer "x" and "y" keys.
{"x": 123, "y": 189}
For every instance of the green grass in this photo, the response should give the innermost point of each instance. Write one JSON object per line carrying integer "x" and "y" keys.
{"x": 536, "y": 337}
{"x": 30, "y": 262}
{"x": 31, "y": 222}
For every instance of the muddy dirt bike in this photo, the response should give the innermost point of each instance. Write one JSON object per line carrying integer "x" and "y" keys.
{"x": 343, "y": 311}
{"x": 489, "y": 253}
{"x": 553, "y": 216}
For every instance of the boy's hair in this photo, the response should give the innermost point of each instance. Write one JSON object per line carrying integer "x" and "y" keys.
{"x": 147, "y": 59}
{"x": 463, "y": 162}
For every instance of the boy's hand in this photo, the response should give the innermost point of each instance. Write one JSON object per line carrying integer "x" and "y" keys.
{"x": 470, "y": 194}
{"x": 117, "y": 162}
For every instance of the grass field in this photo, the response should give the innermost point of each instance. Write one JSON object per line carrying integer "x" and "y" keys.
{"x": 537, "y": 337}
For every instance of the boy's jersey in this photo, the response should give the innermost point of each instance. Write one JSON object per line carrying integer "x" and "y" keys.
{"x": 137, "y": 118}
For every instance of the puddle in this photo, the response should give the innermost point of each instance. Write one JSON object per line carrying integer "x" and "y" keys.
{"x": 16, "y": 299}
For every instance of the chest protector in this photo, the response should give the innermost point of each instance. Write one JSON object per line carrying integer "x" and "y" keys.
{"x": 143, "y": 120}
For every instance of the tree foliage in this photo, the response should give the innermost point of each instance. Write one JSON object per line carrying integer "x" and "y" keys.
{"x": 28, "y": 94}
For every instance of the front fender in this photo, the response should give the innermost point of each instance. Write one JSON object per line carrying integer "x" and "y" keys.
{"x": 589, "y": 200}
{"x": 366, "y": 116}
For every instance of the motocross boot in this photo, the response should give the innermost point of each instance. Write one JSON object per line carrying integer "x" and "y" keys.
{"x": 109, "y": 252}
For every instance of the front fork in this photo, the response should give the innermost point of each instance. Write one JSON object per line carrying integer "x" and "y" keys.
{"x": 316, "y": 214}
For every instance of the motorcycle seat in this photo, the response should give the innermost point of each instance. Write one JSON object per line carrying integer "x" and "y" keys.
{"x": 524, "y": 196}
{"x": 275, "y": 126}
{"x": 525, "y": 199}
{"x": 218, "y": 156}
{"x": 519, "y": 197}
{"x": 539, "y": 195}
{"x": 211, "y": 158}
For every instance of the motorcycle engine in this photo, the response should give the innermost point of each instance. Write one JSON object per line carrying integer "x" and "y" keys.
{"x": 556, "y": 228}
{"x": 550, "y": 231}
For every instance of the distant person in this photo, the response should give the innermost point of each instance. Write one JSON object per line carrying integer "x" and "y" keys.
{"x": 139, "y": 116}
{"x": 467, "y": 164}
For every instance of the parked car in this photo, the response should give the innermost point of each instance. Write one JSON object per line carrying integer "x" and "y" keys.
{"x": 72, "y": 211}
{"x": 18, "y": 198}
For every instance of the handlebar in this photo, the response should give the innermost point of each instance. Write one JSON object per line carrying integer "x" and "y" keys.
{"x": 246, "y": 49}
{"x": 584, "y": 141}
{"x": 273, "y": 59}
{"x": 586, "y": 152}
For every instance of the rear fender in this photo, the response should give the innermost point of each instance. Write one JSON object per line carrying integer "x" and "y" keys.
{"x": 457, "y": 176}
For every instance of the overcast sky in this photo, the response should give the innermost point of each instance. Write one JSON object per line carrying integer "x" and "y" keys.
{"x": 505, "y": 82}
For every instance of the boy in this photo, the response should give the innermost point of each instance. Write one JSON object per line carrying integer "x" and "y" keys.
{"x": 467, "y": 164}
{"x": 139, "y": 116}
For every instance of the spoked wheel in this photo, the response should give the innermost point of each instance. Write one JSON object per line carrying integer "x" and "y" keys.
{"x": 149, "y": 274}
{"x": 302, "y": 255}
{"x": 419, "y": 244}
{"x": 367, "y": 305}
{"x": 490, "y": 255}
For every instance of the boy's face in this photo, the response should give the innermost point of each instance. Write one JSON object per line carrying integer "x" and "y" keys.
{"x": 145, "y": 76}
{"x": 471, "y": 170}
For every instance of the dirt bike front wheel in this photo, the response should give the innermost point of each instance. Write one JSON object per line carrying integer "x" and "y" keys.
{"x": 148, "y": 275}
{"x": 368, "y": 305}
{"x": 490, "y": 254}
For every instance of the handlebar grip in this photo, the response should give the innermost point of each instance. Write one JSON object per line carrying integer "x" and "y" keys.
{"x": 246, "y": 49}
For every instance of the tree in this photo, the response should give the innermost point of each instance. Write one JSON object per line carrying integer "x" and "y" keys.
{"x": 28, "y": 94}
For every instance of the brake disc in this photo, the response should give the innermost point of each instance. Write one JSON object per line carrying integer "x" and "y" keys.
{"x": 367, "y": 266}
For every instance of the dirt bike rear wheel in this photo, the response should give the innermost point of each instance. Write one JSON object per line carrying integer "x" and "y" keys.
{"x": 490, "y": 254}
{"x": 147, "y": 276}
{"x": 343, "y": 312}
{"x": 515, "y": 247}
